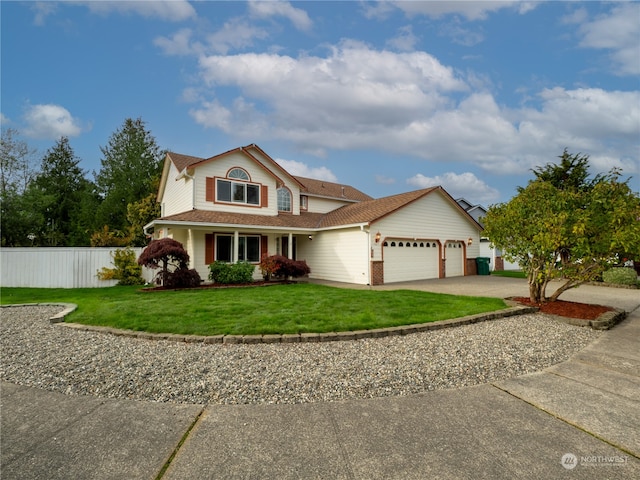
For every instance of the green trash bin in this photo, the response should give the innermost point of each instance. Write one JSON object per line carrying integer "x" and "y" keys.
{"x": 483, "y": 265}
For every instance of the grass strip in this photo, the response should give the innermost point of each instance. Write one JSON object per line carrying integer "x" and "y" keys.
{"x": 278, "y": 309}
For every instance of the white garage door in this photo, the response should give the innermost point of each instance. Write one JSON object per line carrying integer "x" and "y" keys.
{"x": 410, "y": 260}
{"x": 454, "y": 253}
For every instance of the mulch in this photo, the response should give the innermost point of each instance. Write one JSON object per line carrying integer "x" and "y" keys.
{"x": 583, "y": 311}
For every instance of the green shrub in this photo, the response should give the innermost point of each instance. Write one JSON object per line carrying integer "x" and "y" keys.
{"x": 620, "y": 276}
{"x": 126, "y": 271}
{"x": 228, "y": 273}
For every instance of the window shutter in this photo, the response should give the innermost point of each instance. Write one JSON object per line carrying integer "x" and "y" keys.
{"x": 209, "y": 248}
{"x": 264, "y": 196}
{"x": 264, "y": 247}
{"x": 210, "y": 190}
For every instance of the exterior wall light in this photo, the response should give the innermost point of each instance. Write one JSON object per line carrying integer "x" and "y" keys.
{"x": 469, "y": 241}
{"x": 310, "y": 237}
{"x": 378, "y": 236}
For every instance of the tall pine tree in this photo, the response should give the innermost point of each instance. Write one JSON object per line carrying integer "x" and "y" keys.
{"x": 63, "y": 197}
{"x": 130, "y": 167}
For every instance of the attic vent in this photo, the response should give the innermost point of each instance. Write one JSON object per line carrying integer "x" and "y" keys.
{"x": 343, "y": 191}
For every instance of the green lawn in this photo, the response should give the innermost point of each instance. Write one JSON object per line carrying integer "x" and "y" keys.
{"x": 292, "y": 308}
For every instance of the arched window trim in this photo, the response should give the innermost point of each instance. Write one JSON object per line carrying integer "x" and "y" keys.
{"x": 238, "y": 173}
{"x": 290, "y": 200}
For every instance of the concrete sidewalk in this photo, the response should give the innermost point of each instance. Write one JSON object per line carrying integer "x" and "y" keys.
{"x": 585, "y": 411}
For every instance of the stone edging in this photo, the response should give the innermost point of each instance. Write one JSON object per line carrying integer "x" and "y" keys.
{"x": 513, "y": 309}
{"x": 605, "y": 320}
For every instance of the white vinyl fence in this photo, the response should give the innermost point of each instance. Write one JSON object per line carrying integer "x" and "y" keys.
{"x": 58, "y": 267}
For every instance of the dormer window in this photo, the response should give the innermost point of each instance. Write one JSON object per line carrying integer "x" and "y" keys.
{"x": 284, "y": 199}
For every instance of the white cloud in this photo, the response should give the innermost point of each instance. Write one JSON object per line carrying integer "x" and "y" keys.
{"x": 171, "y": 10}
{"x": 179, "y": 43}
{"x": 471, "y": 10}
{"x": 4, "y": 120}
{"x": 297, "y": 16}
{"x": 410, "y": 105}
{"x": 237, "y": 33}
{"x": 465, "y": 185}
{"x": 619, "y": 32}
{"x": 353, "y": 88}
{"x": 405, "y": 40}
{"x": 301, "y": 169}
{"x": 42, "y": 10}
{"x": 50, "y": 122}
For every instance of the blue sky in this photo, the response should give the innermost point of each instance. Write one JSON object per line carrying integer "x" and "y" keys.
{"x": 385, "y": 96}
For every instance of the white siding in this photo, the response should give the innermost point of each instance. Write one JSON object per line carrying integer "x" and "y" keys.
{"x": 178, "y": 194}
{"x": 221, "y": 166}
{"x": 324, "y": 205}
{"x": 431, "y": 217}
{"x": 58, "y": 267}
{"x": 338, "y": 255}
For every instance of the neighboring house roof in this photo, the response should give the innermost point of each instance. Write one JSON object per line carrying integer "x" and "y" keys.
{"x": 321, "y": 188}
{"x": 363, "y": 212}
{"x": 476, "y": 211}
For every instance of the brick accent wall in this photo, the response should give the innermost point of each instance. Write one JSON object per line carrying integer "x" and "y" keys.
{"x": 377, "y": 272}
{"x": 472, "y": 267}
{"x": 499, "y": 264}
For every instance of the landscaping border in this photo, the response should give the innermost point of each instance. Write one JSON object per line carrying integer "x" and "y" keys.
{"x": 59, "y": 318}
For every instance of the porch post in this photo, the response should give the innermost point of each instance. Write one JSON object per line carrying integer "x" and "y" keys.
{"x": 236, "y": 246}
{"x": 290, "y": 252}
{"x": 191, "y": 248}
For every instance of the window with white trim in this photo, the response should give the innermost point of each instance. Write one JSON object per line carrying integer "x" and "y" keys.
{"x": 284, "y": 200}
{"x": 237, "y": 192}
{"x": 248, "y": 248}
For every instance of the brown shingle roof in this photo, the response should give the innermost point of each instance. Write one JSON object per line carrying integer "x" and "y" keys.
{"x": 183, "y": 161}
{"x": 304, "y": 220}
{"x": 362, "y": 212}
{"x": 333, "y": 190}
{"x": 370, "y": 210}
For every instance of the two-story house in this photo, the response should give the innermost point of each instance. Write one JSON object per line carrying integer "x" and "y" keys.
{"x": 241, "y": 205}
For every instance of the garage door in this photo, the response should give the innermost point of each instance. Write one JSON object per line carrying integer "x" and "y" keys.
{"x": 454, "y": 253}
{"x": 410, "y": 260}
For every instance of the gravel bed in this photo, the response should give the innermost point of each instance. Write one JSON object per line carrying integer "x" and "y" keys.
{"x": 39, "y": 354}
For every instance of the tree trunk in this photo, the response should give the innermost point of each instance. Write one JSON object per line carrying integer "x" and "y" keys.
{"x": 563, "y": 288}
{"x": 537, "y": 287}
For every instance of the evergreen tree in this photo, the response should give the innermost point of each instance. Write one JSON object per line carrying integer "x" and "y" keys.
{"x": 63, "y": 197}
{"x": 131, "y": 164}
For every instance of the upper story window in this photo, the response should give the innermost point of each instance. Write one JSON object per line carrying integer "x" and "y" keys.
{"x": 304, "y": 202}
{"x": 237, "y": 189}
{"x": 284, "y": 200}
